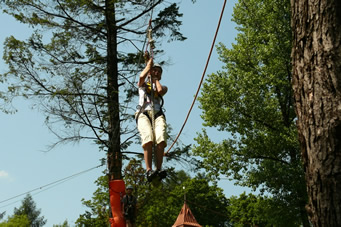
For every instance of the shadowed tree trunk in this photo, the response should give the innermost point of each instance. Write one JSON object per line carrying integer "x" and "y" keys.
{"x": 80, "y": 55}
{"x": 114, "y": 154}
{"x": 316, "y": 53}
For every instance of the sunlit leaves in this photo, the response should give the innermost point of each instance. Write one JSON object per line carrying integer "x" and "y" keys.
{"x": 251, "y": 99}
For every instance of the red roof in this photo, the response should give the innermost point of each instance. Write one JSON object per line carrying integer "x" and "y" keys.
{"x": 185, "y": 218}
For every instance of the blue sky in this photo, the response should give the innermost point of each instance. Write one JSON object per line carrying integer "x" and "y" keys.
{"x": 25, "y": 166}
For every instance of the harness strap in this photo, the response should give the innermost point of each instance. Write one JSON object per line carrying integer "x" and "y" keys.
{"x": 142, "y": 110}
{"x": 158, "y": 114}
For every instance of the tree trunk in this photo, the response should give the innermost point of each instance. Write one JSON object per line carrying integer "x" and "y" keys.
{"x": 316, "y": 55}
{"x": 114, "y": 155}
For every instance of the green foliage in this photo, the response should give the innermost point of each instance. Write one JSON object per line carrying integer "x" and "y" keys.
{"x": 166, "y": 18}
{"x": 99, "y": 206}
{"x": 206, "y": 201}
{"x": 253, "y": 102}
{"x": 65, "y": 224}
{"x": 160, "y": 206}
{"x": 27, "y": 215}
{"x": 64, "y": 69}
{"x": 2, "y": 215}
{"x": 251, "y": 210}
{"x": 248, "y": 210}
{"x": 16, "y": 220}
{"x": 28, "y": 209}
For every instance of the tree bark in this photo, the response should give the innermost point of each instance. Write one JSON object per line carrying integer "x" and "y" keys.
{"x": 114, "y": 155}
{"x": 316, "y": 56}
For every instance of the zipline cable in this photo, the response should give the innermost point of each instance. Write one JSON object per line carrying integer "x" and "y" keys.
{"x": 52, "y": 183}
{"x": 38, "y": 192}
{"x": 202, "y": 78}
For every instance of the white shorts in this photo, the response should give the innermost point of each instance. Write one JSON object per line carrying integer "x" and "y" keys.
{"x": 145, "y": 128}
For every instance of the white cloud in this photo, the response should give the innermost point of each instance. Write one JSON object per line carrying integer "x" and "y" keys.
{"x": 3, "y": 174}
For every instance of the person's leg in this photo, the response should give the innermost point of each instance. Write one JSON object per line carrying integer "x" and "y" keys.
{"x": 160, "y": 134}
{"x": 160, "y": 148}
{"x": 146, "y": 133}
{"x": 147, "y": 149}
{"x": 128, "y": 223}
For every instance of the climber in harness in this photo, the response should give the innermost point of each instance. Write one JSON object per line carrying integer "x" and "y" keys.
{"x": 129, "y": 207}
{"x": 149, "y": 103}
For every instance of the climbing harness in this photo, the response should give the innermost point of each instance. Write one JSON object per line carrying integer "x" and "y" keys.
{"x": 129, "y": 206}
{"x": 149, "y": 89}
{"x": 141, "y": 109}
{"x": 151, "y": 116}
{"x": 150, "y": 95}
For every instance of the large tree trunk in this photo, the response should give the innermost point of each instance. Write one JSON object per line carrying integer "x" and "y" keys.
{"x": 316, "y": 54}
{"x": 114, "y": 155}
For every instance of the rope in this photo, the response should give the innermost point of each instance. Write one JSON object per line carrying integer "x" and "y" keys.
{"x": 50, "y": 185}
{"x": 152, "y": 99}
{"x": 151, "y": 42}
{"x": 153, "y": 113}
{"x": 149, "y": 34}
{"x": 151, "y": 51}
{"x": 202, "y": 79}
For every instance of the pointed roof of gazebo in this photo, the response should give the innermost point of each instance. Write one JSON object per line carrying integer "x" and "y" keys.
{"x": 186, "y": 218}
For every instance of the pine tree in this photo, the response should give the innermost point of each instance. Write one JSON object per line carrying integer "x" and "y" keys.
{"x": 29, "y": 209}
{"x": 79, "y": 65}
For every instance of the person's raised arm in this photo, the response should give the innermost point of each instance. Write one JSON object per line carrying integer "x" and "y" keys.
{"x": 145, "y": 73}
{"x": 161, "y": 90}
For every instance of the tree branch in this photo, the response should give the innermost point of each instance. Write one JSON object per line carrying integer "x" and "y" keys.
{"x": 139, "y": 15}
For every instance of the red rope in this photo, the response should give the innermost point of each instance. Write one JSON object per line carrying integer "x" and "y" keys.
{"x": 202, "y": 79}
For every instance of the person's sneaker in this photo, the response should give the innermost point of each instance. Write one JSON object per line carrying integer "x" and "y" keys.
{"x": 151, "y": 174}
{"x": 148, "y": 175}
{"x": 162, "y": 174}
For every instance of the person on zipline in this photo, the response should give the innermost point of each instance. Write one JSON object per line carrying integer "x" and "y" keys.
{"x": 144, "y": 118}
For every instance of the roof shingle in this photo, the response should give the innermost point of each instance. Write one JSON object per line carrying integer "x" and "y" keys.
{"x": 185, "y": 218}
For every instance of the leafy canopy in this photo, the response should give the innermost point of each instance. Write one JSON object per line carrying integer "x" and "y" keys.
{"x": 15, "y": 221}
{"x": 26, "y": 215}
{"x": 28, "y": 208}
{"x": 251, "y": 99}
{"x": 160, "y": 206}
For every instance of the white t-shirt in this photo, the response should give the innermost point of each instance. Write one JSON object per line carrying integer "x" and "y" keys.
{"x": 145, "y": 99}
